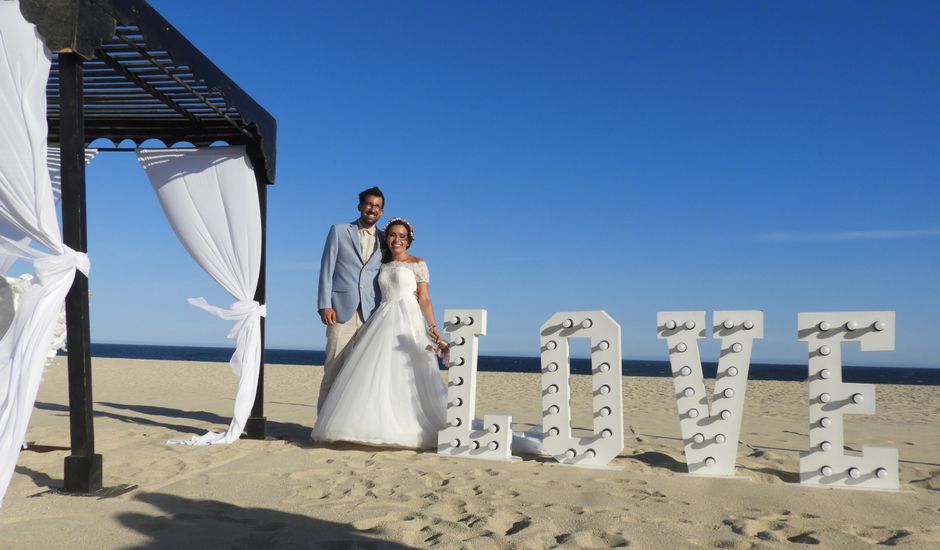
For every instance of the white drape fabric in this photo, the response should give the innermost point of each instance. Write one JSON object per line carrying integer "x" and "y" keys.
{"x": 54, "y": 163}
{"x": 210, "y": 198}
{"x": 27, "y": 207}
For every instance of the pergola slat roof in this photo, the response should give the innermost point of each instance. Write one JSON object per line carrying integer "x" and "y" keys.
{"x": 143, "y": 80}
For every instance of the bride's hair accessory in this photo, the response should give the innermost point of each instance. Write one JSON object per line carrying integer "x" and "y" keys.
{"x": 393, "y": 221}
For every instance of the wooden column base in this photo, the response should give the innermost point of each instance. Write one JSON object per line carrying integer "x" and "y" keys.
{"x": 82, "y": 473}
{"x": 255, "y": 427}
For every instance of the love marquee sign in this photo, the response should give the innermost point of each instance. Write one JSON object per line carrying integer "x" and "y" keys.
{"x": 710, "y": 427}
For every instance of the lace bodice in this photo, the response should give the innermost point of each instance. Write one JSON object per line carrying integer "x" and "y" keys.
{"x": 399, "y": 280}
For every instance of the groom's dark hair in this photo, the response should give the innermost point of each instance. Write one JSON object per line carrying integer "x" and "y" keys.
{"x": 373, "y": 191}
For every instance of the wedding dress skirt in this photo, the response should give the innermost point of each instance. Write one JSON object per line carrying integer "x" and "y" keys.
{"x": 389, "y": 389}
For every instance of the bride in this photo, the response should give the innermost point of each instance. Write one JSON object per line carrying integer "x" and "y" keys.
{"x": 389, "y": 389}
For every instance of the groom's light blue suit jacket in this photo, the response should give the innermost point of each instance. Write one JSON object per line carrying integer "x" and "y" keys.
{"x": 346, "y": 281}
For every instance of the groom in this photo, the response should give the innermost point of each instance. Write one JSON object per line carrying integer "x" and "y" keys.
{"x": 348, "y": 289}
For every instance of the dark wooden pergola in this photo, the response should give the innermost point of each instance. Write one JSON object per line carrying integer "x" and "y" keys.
{"x": 121, "y": 71}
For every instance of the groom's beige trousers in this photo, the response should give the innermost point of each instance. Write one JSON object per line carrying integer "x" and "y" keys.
{"x": 338, "y": 336}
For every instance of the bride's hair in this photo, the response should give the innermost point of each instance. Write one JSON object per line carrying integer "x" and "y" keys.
{"x": 409, "y": 229}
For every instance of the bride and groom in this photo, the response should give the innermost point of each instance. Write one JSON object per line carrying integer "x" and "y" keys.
{"x": 381, "y": 385}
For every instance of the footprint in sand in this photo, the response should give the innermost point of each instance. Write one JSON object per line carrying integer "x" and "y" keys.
{"x": 772, "y": 527}
{"x": 592, "y": 539}
{"x": 880, "y": 535}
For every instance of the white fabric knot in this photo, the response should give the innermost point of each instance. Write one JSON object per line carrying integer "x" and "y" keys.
{"x": 246, "y": 314}
{"x": 68, "y": 260}
{"x": 242, "y": 312}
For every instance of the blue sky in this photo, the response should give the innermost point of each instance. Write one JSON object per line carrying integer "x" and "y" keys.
{"x": 632, "y": 157}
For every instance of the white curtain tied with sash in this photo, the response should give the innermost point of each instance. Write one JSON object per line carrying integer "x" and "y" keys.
{"x": 210, "y": 198}
{"x": 27, "y": 212}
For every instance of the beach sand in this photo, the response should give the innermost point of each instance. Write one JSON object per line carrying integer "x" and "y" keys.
{"x": 286, "y": 492}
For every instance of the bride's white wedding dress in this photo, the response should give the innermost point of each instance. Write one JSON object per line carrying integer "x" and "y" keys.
{"x": 389, "y": 389}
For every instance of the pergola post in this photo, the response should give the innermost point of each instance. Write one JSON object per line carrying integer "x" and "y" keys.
{"x": 255, "y": 427}
{"x": 82, "y": 467}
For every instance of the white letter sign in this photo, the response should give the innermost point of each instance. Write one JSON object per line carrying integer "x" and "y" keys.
{"x": 607, "y": 441}
{"x": 710, "y": 432}
{"x": 826, "y": 462}
{"x": 465, "y": 326}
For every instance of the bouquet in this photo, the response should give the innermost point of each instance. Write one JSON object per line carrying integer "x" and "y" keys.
{"x": 441, "y": 349}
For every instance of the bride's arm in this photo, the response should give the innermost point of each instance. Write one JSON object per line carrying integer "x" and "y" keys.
{"x": 427, "y": 310}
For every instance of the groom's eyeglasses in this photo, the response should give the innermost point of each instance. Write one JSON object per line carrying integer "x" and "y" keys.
{"x": 371, "y": 206}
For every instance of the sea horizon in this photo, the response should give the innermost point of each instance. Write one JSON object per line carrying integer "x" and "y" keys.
{"x": 873, "y": 374}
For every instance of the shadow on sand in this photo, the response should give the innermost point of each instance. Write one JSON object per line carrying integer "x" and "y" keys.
{"x": 277, "y": 430}
{"x": 186, "y": 523}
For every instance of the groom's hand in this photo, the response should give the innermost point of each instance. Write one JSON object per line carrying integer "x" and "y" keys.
{"x": 328, "y": 316}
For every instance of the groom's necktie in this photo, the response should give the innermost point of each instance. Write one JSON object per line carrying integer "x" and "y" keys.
{"x": 367, "y": 242}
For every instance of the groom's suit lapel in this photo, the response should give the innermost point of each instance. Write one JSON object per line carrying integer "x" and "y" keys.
{"x": 353, "y": 230}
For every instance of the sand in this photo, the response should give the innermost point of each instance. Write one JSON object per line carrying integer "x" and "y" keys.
{"x": 286, "y": 492}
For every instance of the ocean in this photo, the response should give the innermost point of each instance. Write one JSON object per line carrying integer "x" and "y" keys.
{"x": 496, "y": 363}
